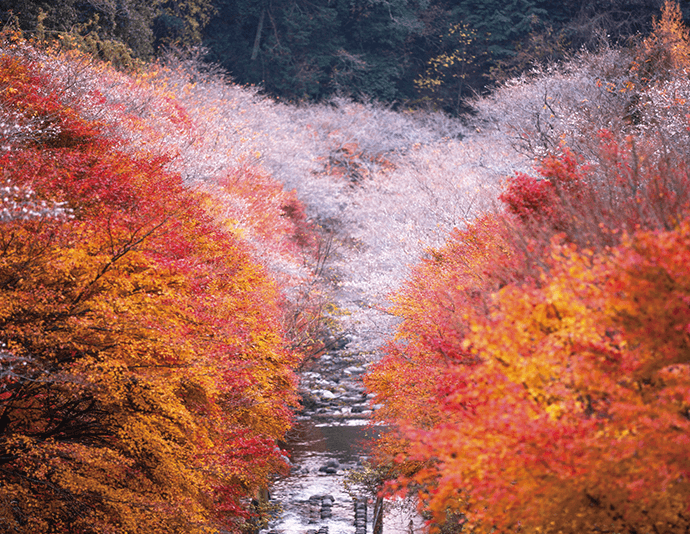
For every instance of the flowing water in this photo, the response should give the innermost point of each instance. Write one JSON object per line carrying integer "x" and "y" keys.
{"x": 329, "y": 441}
{"x": 330, "y": 438}
{"x": 322, "y": 454}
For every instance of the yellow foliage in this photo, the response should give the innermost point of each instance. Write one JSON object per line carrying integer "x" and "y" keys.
{"x": 667, "y": 49}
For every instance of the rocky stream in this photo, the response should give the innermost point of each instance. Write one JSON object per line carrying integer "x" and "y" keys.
{"x": 327, "y": 443}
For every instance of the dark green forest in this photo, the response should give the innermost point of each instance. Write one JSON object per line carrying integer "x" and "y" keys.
{"x": 416, "y": 53}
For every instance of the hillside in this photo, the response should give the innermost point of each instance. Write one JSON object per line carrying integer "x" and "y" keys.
{"x": 160, "y": 283}
{"x": 429, "y": 54}
{"x": 153, "y": 310}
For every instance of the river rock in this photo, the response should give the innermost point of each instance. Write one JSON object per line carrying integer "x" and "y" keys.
{"x": 324, "y": 394}
{"x": 330, "y": 467}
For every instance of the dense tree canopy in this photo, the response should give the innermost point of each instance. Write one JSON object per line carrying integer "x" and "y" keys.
{"x": 145, "y": 374}
{"x": 538, "y": 381}
{"x": 377, "y": 49}
{"x": 419, "y": 52}
{"x": 99, "y": 27}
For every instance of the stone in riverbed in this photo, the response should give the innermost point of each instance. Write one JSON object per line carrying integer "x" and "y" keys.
{"x": 330, "y": 467}
{"x": 324, "y": 394}
{"x": 353, "y": 370}
{"x": 328, "y": 470}
{"x": 360, "y": 516}
{"x": 309, "y": 402}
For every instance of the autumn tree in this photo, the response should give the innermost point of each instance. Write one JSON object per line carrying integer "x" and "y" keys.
{"x": 550, "y": 352}
{"x": 452, "y": 74}
{"x": 525, "y": 382}
{"x": 119, "y": 32}
{"x": 144, "y": 374}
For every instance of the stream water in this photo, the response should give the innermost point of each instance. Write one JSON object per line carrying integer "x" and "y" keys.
{"x": 329, "y": 441}
{"x": 321, "y": 456}
{"x": 330, "y": 438}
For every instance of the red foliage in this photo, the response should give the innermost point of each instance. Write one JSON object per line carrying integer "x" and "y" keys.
{"x": 38, "y": 103}
{"x": 529, "y": 198}
{"x": 539, "y": 377}
{"x": 144, "y": 374}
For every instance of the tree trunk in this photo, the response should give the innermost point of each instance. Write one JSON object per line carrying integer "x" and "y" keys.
{"x": 378, "y": 516}
{"x": 257, "y": 39}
